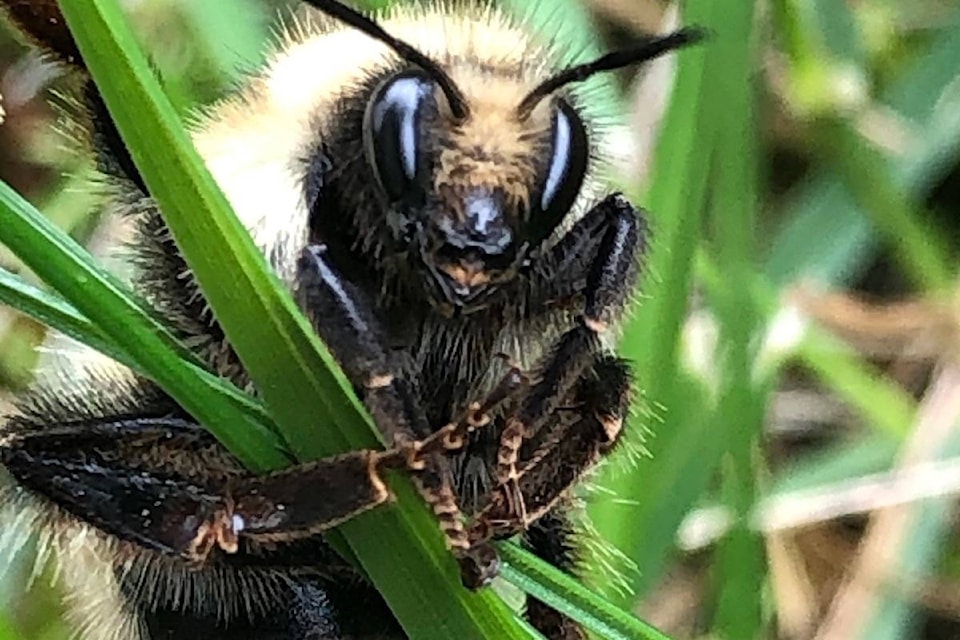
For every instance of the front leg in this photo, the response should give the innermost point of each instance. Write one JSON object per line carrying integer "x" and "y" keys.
{"x": 580, "y": 435}
{"x": 611, "y": 236}
{"x": 345, "y": 320}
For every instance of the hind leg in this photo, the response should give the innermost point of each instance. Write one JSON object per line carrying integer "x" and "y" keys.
{"x": 142, "y": 480}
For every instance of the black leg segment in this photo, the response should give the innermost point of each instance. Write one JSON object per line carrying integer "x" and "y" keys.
{"x": 616, "y": 233}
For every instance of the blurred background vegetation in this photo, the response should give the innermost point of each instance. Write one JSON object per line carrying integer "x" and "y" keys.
{"x": 795, "y": 453}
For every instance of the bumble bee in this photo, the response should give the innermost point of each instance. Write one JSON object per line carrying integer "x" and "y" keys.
{"x": 430, "y": 186}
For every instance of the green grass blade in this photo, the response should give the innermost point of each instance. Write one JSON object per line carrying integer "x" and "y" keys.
{"x": 57, "y": 313}
{"x": 884, "y": 405}
{"x": 545, "y": 582}
{"x": 866, "y": 173}
{"x": 399, "y": 547}
{"x": 7, "y": 630}
{"x": 739, "y": 413}
{"x": 652, "y": 339}
{"x": 826, "y": 235}
{"x": 231, "y": 270}
{"x": 230, "y": 39}
{"x": 839, "y": 463}
{"x": 67, "y": 267}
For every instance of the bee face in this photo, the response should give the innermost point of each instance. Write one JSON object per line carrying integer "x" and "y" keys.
{"x": 470, "y": 194}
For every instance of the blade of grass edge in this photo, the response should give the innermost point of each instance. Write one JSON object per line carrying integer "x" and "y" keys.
{"x": 63, "y": 264}
{"x": 651, "y": 339}
{"x": 57, "y": 313}
{"x": 739, "y": 569}
{"x": 544, "y": 581}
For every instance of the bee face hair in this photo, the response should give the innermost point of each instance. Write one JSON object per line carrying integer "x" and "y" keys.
{"x": 473, "y": 167}
{"x": 468, "y": 198}
{"x": 444, "y": 178}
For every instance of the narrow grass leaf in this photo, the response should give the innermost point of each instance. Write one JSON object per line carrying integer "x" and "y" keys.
{"x": 57, "y": 313}
{"x": 645, "y": 532}
{"x": 545, "y": 582}
{"x": 826, "y": 235}
{"x": 739, "y": 412}
{"x": 883, "y": 404}
{"x": 65, "y": 265}
{"x": 866, "y": 173}
{"x": 838, "y": 463}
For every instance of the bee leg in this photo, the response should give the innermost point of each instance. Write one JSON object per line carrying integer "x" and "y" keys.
{"x": 565, "y": 455}
{"x": 480, "y": 414}
{"x": 344, "y": 319}
{"x": 612, "y": 235}
{"x": 117, "y": 475}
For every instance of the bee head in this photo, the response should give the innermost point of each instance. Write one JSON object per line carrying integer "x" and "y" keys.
{"x": 474, "y": 170}
{"x": 471, "y": 188}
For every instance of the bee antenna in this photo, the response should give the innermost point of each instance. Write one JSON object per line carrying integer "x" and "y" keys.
{"x": 355, "y": 19}
{"x": 641, "y": 52}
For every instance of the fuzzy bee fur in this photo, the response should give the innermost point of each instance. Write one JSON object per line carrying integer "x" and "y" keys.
{"x": 430, "y": 187}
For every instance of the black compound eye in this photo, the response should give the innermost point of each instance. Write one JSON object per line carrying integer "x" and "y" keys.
{"x": 393, "y": 135}
{"x": 564, "y": 174}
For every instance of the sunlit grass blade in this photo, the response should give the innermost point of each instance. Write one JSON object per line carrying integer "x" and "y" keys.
{"x": 659, "y": 488}
{"x": 229, "y": 39}
{"x": 841, "y": 462}
{"x": 884, "y": 405}
{"x": 58, "y": 314}
{"x": 399, "y": 547}
{"x": 7, "y": 630}
{"x": 865, "y": 172}
{"x": 739, "y": 412}
{"x": 826, "y": 235}
{"x": 66, "y": 266}
{"x": 545, "y": 582}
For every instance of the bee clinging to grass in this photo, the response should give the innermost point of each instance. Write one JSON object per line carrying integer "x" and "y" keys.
{"x": 430, "y": 188}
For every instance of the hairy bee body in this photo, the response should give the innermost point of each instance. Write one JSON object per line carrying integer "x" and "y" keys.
{"x": 451, "y": 203}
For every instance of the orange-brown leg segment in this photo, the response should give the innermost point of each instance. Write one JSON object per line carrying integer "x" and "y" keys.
{"x": 345, "y": 319}
{"x": 615, "y": 233}
{"x": 582, "y": 435}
